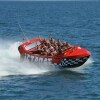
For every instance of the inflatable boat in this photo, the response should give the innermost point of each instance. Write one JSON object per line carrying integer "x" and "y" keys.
{"x": 72, "y": 57}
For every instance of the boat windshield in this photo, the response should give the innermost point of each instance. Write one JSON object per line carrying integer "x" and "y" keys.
{"x": 32, "y": 45}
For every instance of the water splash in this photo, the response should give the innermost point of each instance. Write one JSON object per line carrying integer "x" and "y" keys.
{"x": 10, "y": 64}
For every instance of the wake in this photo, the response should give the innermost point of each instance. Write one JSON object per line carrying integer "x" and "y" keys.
{"x": 10, "y": 62}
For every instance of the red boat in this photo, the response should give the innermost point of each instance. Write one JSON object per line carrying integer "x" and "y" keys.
{"x": 70, "y": 58}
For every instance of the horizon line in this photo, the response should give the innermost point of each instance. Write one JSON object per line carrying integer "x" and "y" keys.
{"x": 49, "y": 0}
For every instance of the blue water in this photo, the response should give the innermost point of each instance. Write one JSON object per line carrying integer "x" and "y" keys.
{"x": 75, "y": 22}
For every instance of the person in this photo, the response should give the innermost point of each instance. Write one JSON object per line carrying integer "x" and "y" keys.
{"x": 68, "y": 46}
{"x": 44, "y": 52}
{"x": 50, "y": 50}
{"x": 50, "y": 47}
{"x": 59, "y": 43}
{"x": 64, "y": 46}
{"x": 52, "y": 41}
{"x": 56, "y": 47}
{"x": 48, "y": 41}
{"x": 59, "y": 49}
{"x": 54, "y": 52}
{"x": 43, "y": 46}
{"x": 38, "y": 50}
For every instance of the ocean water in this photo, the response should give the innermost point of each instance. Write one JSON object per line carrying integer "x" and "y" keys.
{"x": 76, "y": 22}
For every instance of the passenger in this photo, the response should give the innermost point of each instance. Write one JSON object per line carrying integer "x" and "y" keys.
{"x": 59, "y": 43}
{"x": 52, "y": 41}
{"x": 43, "y": 46}
{"x": 56, "y": 47}
{"x": 38, "y": 50}
{"x": 55, "y": 52}
{"x": 44, "y": 52}
{"x": 64, "y": 43}
{"x": 64, "y": 46}
{"x": 38, "y": 47}
{"x": 42, "y": 41}
{"x": 48, "y": 41}
{"x": 55, "y": 43}
{"x": 48, "y": 46}
{"x": 59, "y": 49}
{"x": 51, "y": 47}
{"x": 68, "y": 46}
{"x": 50, "y": 50}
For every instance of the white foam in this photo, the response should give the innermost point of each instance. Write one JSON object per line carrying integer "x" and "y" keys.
{"x": 10, "y": 63}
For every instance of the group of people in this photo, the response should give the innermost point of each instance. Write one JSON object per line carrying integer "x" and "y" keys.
{"x": 50, "y": 47}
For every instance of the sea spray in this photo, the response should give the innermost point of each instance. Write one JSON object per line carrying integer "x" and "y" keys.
{"x": 10, "y": 62}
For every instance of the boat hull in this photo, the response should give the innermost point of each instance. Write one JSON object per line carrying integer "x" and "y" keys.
{"x": 71, "y": 58}
{"x": 70, "y": 63}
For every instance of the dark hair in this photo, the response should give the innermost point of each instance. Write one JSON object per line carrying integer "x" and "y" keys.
{"x": 59, "y": 49}
{"x": 51, "y": 38}
{"x": 58, "y": 39}
{"x": 66, "y": 43}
